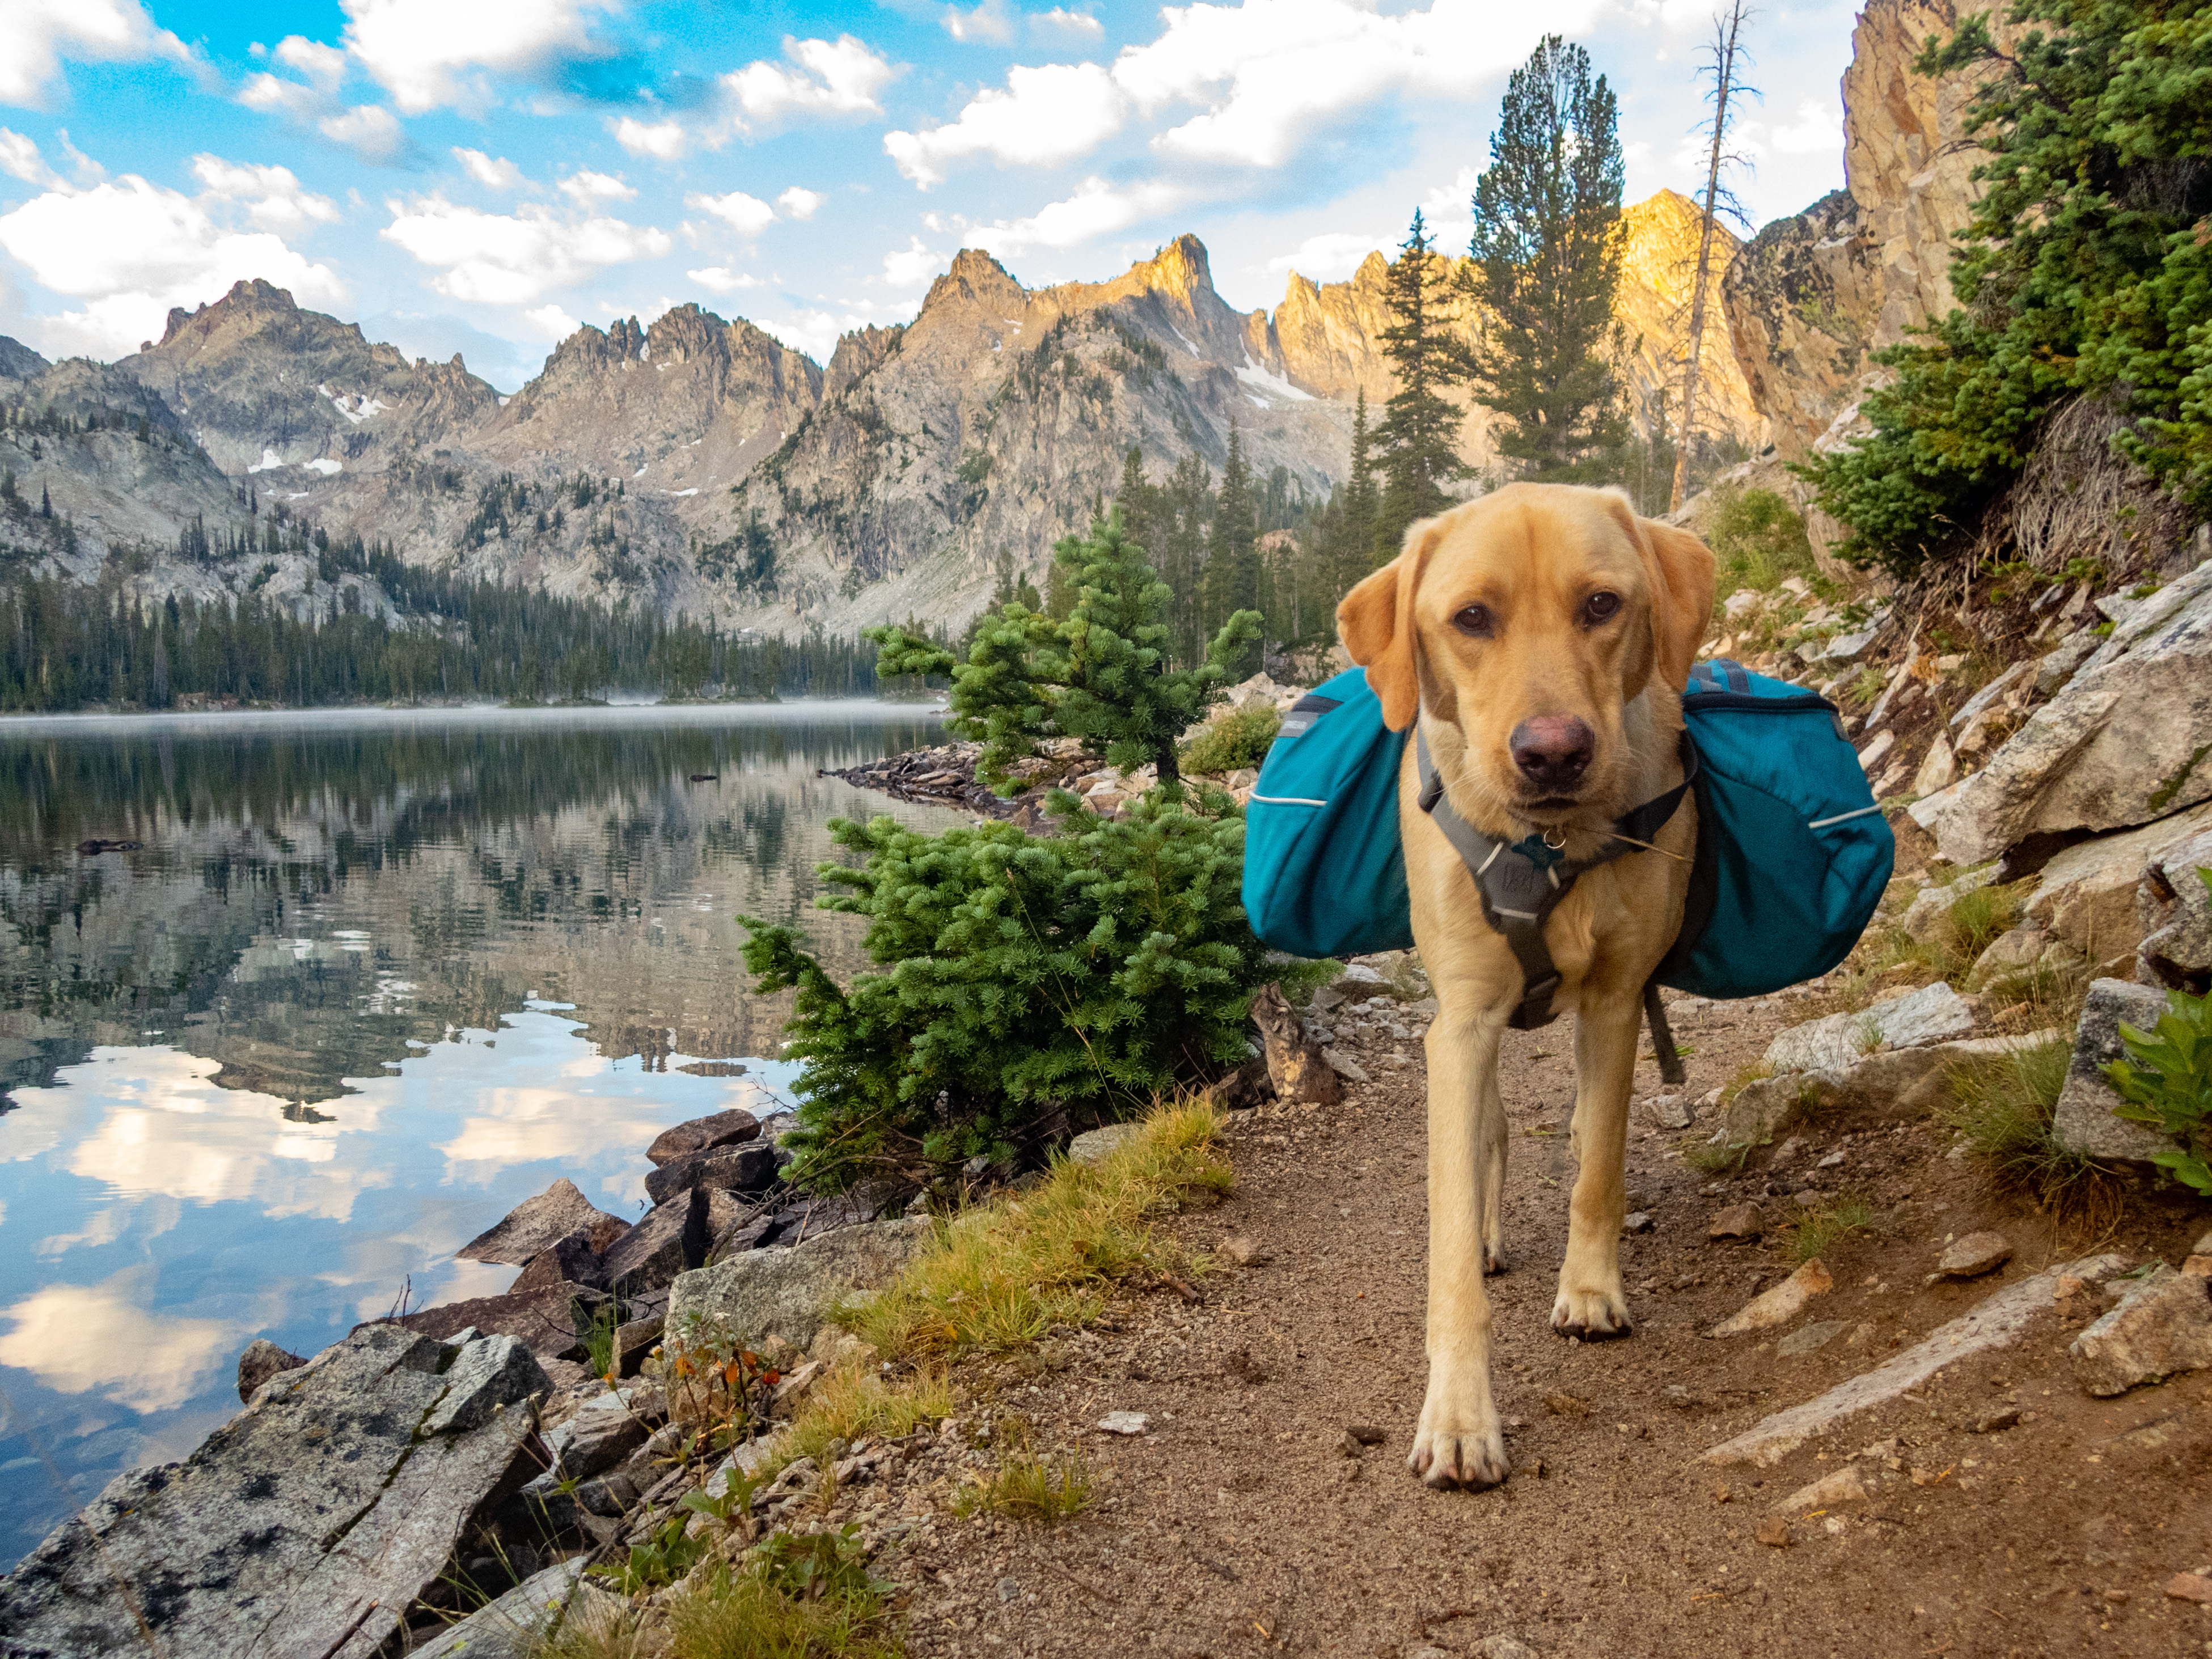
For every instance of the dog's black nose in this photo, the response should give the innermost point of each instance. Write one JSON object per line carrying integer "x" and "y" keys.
{"x": 1552, "y": 750}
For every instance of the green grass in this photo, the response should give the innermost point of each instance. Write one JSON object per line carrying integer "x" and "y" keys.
{"x": 1000, "y": 1277}
{"x": 1028, "y": 1487}
{"x": 1234, "y": 740}
{"x": 1819, "y": 1231}
{"x": 1758, "y": 541}
{"x": 742, "y": 1613}
{"x": 2002, "y": 1109}
{"x": 858, "y": 1403}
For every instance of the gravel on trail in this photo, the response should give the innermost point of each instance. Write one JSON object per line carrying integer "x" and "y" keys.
{"x": 2005, "y": 1511}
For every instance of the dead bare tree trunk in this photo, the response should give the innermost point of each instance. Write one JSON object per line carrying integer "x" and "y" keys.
{"x": 1724, "y": 66}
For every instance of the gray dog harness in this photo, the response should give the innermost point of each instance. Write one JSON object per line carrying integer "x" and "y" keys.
{"x": 1521, "y": 883}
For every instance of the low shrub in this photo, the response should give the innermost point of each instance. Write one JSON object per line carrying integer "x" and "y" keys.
{"x": 2002, "y": 1109}
{"x": 1233, "y": 741}
{"x": 1758, "y": 541}
{"x": 2167, "y": 1081}
{"x": 1029, "y": 984}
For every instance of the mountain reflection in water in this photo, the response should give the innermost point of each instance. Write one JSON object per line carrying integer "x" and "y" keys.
{"x": 370, "y": 980}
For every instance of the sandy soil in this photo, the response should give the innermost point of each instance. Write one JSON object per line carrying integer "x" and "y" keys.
{"x": 1239, "y": 1522}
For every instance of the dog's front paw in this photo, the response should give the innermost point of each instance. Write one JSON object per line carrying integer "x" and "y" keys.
{"x": 1459, "y": 1444}
{"x": 1594, "y": 1312}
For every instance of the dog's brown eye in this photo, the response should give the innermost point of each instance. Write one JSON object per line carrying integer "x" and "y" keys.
{"x": 1599, "y": 607}
{"x": 1475, "y": 620}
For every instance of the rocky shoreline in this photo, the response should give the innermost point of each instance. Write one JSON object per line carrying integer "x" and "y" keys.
{"x": 370, "y": 1495}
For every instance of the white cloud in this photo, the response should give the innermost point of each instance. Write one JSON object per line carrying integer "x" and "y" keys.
{"x": 130, "y": 250}
{"x": 1270, "y": 72}
{"x": 432, "y": 52}
{"x": 1060, "y": 20}
{"x": 1096, "y": 208}
{"x": 370, "y": 131}
{"x": 511, "y": 259}
{"x": 585, "y": 187}
{"x": 828, "y": 77}
{"x": 20, "y": 159}
{"x": 493, "y": 174}
{"x": 273, "y": 196}
{"x": 747, "y": 214}
{"x": 1329, "y": 256}
{"x": 1045, "y": 115}
{"x": 991, "y": 20}
{"x": 551, "y": 321}
{"x": 721, "y": 279}
{"x": 663, "y": 140}
{"x": 35, "y": 35}
{"x": 800, "y": 204}
{"x": 1818, "y": 130}
{"x": 911, "y": 267}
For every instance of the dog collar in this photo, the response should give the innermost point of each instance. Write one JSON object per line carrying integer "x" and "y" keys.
{"x": 1521, "y": 882}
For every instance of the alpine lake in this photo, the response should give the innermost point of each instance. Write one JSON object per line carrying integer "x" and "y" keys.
{"x": 367, "y": 980}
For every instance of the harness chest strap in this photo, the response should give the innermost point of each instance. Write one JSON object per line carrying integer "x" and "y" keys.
{"x": 1522, "y": 883}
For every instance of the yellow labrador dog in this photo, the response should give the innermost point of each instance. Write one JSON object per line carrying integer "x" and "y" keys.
{"x": 1540, "y": 637}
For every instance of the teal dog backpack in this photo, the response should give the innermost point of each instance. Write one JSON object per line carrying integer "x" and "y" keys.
{"x": 1792, "y": 852}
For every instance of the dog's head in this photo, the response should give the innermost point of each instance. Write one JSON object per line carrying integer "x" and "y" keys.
{"x": 1531, "y": 619}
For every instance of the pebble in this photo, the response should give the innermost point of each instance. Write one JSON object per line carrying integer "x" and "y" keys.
{"x": 1833, "y": 1161}
{"x": 1973, "y": 1255}
{"x": 1774, "y": 1533}
{"x": 1010, "y": 1589}
{"x": 2190, "y": 1587}
{"x": 1345, "y": 1066}
{"x": 1349, "y": 1444}
{"x": 1810, "y": 1339}
{"x": 1781, "y": 1304}
{"x": 1737, "y": 1221}
{"x": 1670, "y": 1111}
{"x": 1502, "y": 1647}
{"x": 1996, "y": 1422}
{"x": 1845, "y": 1485}
{"x": 1125, "y": 1423}
{"x": 1636, "y": 1221}
{"x": 1367, "y": 1434}
{"x": 1246, "y": 1252}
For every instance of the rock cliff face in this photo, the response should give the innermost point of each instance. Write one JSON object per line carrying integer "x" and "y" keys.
{"x": 697, "y": 463}
{"x": 1812, "y": 295}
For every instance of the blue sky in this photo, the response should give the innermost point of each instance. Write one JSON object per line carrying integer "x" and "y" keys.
{"x": 482, "y": 175}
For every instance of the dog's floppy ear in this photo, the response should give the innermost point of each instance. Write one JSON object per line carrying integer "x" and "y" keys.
{"x": 1681, "y": 595}
{"x": 1375, "y": 622}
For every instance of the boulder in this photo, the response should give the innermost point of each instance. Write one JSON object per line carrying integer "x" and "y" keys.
{"x": 2173, "y": 909}
{"x": 2087, "y": 1120}
{"x": 484, "y": 1378}
{"x": 670, "y": 1239}
{"x": 1933, "y": 1013}
{"x": 2087, "y": 896}
{"x": 262, "y": 1360}
{"x": 786, "y": 1292}
{"x": 594, "y": 1440}
{"x": 2012, "y": 961}
{"x": 1096, "y": 1145}
{"x": 308, "y": 1524}
{"x": 2161, "y": 1327}
{"x": 2123, "y": 742}
{"x": 1295, "y": 1065}
{"x": 1891, "y": 1081}
{"x": 748, "y": 1168}
{"x": 518, "y": 1624}
{"x": 568, "y": 1261}
{"x": 536, "y": 1222}
{"x": 703, "y": 1134}
{"x": 1931, "y": 906}
{"x": 551, "y": 1322}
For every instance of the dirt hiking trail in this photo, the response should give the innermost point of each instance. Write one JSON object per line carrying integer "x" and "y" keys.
{"x": 1244, "y": 1520}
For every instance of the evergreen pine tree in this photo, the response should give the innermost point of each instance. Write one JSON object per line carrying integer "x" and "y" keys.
{"x": 45, "y": 502}
{"x": 1545, "y": 267}
{"x": 1353, "y": 545}
{"x": 1232, "y": 565}
{"x": 1419, "y": 434}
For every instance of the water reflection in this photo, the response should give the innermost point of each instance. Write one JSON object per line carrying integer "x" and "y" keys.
{"x": 367, "y": 982}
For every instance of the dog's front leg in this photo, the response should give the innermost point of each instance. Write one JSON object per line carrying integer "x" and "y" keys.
{"x": 1460, "y": 1441}
{"x": 1592, "y": 1304}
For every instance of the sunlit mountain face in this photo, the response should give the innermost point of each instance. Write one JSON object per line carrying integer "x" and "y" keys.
{"x": 366, "y": 983}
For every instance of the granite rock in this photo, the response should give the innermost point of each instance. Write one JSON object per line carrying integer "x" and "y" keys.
{"x": 703, "y": 1134}
{"x": 536, "y": 1222}
{"x": 2162, "y": 1326}
{"x": 262, "y": 1360}
{"x": 2087, "y": 1119}
{"x": 747, "y": 1167}
{"x": 776, "y": 1292}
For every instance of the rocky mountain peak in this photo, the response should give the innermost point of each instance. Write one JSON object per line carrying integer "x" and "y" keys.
{"x": 1181, "y": 268}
